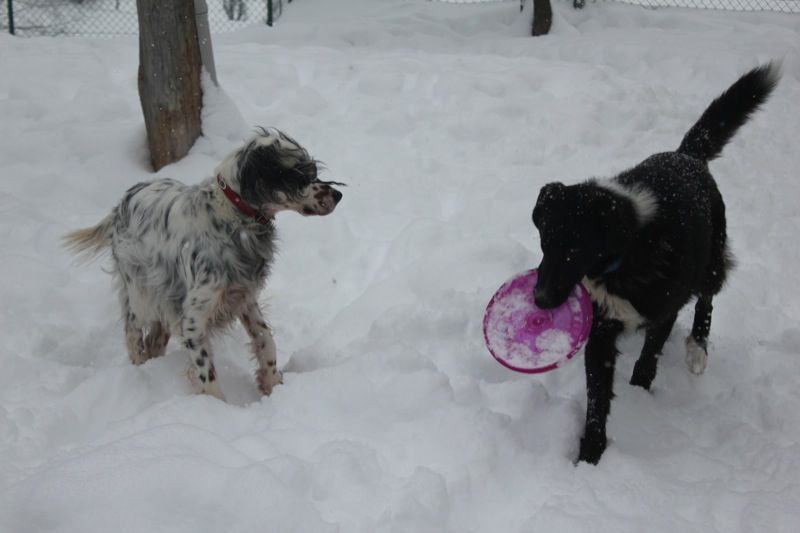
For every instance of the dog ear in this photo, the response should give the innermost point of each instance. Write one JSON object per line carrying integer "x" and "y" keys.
{"x": 255, "y": 164}
{"x": 547, "y": 195}
{"x": 271, "y": 162}
{"x": 552, "y": 191}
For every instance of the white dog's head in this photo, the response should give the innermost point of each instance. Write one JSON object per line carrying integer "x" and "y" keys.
{"x": 273, "y": 173}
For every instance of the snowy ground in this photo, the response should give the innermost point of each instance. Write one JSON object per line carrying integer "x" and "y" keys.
{"x": 444, "y": 120}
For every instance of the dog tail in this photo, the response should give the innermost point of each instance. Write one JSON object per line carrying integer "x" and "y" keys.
{"x": 719, "y": 123}
{"x": 90, "y": 242}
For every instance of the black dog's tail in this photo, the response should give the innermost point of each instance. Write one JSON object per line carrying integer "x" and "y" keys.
{"x": 706, "y": 139}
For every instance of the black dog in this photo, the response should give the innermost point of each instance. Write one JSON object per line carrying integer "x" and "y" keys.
{"x": 644, "y": 243}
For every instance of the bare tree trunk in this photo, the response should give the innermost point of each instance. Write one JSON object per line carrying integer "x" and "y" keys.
{"x": 169, "y": 77}
{"x": 542, "y": 17}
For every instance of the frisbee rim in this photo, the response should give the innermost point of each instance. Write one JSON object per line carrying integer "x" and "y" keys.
{"x": 578, "y": 345}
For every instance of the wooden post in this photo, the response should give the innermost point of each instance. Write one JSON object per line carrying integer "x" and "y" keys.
{"x": 169, "y": 78}
{"x": 542, "y": 17}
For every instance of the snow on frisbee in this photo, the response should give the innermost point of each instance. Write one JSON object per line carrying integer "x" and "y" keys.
{"x": 527, "y": 339}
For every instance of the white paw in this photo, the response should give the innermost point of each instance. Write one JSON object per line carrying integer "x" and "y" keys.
{"x": 267, "y": 378}
{"x": 696, "y": 357}
{"x": 213, "y": 389}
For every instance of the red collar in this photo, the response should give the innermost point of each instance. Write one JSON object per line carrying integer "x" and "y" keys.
{"x": 240, "y": 204}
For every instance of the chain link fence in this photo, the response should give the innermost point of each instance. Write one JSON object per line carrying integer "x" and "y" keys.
{"x": 109, "y": 18}
{"x": 780, "y": 6}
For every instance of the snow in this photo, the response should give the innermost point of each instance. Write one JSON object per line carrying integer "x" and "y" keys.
{"x": 444, "y": 120}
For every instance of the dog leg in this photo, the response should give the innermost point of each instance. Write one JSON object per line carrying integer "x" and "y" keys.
{"x": 697, "y": 342}
{"x": 197, "y": 306}
{"x": 644, "y": 372}
{"x": 263, "y": 345}
{"x": 139, "y": 346}
{"x": 601, "y": 354}
{"x": 134, "y": 340}
{"x": 134, "y": 337}
{"x": 155, "y": 342}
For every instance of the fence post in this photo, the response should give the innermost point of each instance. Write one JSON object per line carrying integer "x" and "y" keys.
{"x": 542, "y": 17}
{"x": 269, "y": 12}
{"x": 204, "y": 38}
{"x": 11, "y": 17}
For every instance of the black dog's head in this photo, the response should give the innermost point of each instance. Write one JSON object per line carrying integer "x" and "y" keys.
{"x": 582, "y": 229}
{"x": 275, "y": 173}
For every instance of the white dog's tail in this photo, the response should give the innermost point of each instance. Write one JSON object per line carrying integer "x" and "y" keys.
{"x": 89, "y": 242}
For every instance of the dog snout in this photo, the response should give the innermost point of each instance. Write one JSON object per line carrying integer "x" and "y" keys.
{"x": 327, "y": 201}
{"x": 542, "y": 297}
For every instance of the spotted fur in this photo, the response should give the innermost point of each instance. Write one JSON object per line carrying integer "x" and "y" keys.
{"x": 188, "y": 263}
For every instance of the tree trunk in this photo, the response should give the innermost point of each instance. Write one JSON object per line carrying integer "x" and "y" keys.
{"x": 542, "y": 17}
{"x": 169, "y": 77}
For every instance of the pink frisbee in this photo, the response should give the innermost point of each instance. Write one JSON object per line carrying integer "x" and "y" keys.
{"x": 527, "y": 339}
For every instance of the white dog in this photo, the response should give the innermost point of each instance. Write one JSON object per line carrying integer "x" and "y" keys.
{"x": 190, "y": 259}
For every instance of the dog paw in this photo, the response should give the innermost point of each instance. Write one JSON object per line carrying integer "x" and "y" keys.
{"x": 696, "y": 356}
{"x": 643, "y": 376}
{"x": 592, "y": 449}
{"x": 213, "y": 389}
{"x": 267, "y": 378}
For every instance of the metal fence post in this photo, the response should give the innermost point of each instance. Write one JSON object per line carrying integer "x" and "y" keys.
{"x": 204, "y": 38}
{"x": 269, "y": 12}
{"x": 11, "y": 17}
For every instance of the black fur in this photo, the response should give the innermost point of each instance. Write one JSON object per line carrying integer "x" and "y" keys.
{"x": 295, "y": 169}
{"x": 644, "y": 243}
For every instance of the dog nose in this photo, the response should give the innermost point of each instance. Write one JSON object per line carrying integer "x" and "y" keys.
{"x": 336, "y": 195}
{"x": 542, "y": 298}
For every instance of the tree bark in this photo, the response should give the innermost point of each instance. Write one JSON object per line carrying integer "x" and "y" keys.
{"x": 169, "y": 78}
{"x": 542, "y": 17}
